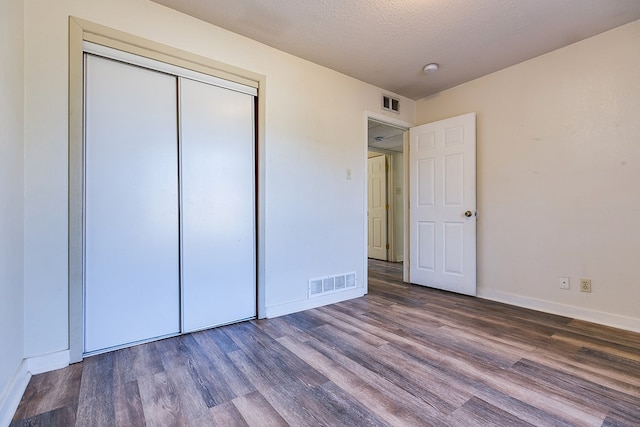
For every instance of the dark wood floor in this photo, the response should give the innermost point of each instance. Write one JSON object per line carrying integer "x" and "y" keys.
{"x": 402, "y": 355}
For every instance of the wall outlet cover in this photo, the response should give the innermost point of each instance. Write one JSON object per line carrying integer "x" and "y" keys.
{"x": 585, "y": 285}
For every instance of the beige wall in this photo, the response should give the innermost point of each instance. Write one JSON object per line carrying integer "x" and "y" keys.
{"x": 11, "y": 195}
{"x": 315, "y": 129}
{"x": 559, "y": 177}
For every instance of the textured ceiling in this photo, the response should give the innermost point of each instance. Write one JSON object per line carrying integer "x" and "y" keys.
{"x": 388, "y": 42}
{"x": 385, "y": 137}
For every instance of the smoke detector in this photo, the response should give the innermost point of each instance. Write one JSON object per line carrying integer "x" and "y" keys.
{"x": 431, "y": 68}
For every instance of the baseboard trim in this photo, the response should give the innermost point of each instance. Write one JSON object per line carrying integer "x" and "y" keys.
{"x": 48, "y": 362}
{"x": 296, "y": 306}
{"x": 580, "y": 313}
{"x": 10, "y": 400}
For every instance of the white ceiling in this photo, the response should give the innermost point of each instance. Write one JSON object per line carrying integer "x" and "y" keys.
{"x": 388, "y": 42}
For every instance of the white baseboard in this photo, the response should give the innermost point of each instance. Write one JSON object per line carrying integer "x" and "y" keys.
{"x": 10, "y": 399}
{"x": 296, "y": 306}
{"x": 48, "y": 362}
{"x": 581, "y": 313}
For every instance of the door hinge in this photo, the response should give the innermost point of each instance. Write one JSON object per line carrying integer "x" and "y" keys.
{"x": 387, "y": 246}
{"x": 387, "y": 206}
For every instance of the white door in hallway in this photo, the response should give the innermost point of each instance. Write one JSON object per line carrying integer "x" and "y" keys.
{"x": 442, "y": 204}
{"x": 131, "y": 204}
{"x": 377, "y": 208}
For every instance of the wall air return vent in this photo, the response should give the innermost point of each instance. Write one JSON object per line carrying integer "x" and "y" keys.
{"x": 390, "y": 104}
{"x": 331, "y": 284}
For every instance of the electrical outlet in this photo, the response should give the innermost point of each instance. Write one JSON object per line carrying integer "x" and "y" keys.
{"x": 564, "y": 282}
{"x": 585, "y": 285}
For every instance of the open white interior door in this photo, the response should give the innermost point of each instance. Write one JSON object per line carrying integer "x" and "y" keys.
{"x": 377, "y": 208}
{"x": 442, "y": 202}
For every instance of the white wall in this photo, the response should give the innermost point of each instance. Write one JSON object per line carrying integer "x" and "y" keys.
{"x": 315, "y": 218}
{"x": 11, "y": 193}
{"x": 558, "y": 177}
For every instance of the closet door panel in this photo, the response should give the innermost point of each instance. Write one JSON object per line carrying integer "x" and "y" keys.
{"x": 131, "y": 204}
{"x": 218, "y": 205}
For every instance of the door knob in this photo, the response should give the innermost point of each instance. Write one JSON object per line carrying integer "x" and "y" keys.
{"x": 468, "y": 214}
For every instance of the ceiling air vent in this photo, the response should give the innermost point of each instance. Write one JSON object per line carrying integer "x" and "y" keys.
{"x": 390, "y": 104}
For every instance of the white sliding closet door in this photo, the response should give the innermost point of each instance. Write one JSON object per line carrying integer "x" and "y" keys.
{"x": 218, "y": 205}
{"x": 131, "y": 204}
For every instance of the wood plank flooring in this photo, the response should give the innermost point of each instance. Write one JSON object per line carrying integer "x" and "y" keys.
{"x": 402, "y": 355}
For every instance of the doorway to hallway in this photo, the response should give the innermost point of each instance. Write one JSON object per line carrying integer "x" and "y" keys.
{"x": 385, "y": 191}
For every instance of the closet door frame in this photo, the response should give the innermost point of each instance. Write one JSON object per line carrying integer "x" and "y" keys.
{"x": 81, "y": 31}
